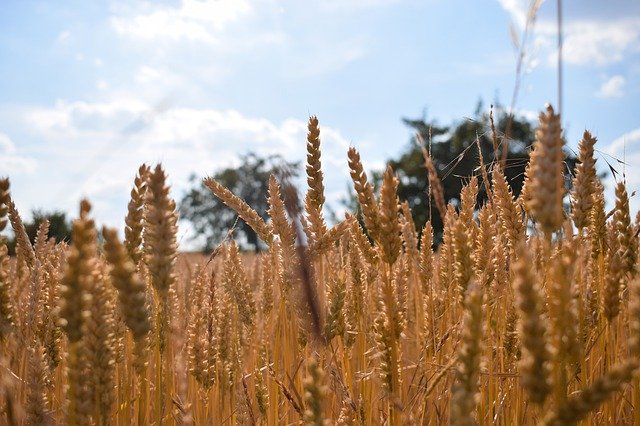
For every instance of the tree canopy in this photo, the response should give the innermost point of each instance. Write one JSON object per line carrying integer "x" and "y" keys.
{"x": 211, "y": 219}
{"x": 455, "y": 154}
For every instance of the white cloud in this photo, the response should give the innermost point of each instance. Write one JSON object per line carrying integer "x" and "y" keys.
{"x": 147, "y": 74}
{"x": 192, "y": 20}
{"x": 349, "y": 6}
{"x": 224, "y": 30}
{"x": 102, "y": 85}
{"x": 77, "y": 119}
{"x": 586, "y": 42}
{"x": 106, "y": 142}
{"x": 612, "y": 87}
{"x": 325, "y": 58}
{"x": 517, "y": 9}
{"x": 598, "y": 42}
{"x": 152, "y": 80}
{"x": 620, "y": 145}
{"x": 11, "y": 161}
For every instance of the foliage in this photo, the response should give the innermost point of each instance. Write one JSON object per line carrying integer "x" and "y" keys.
{"x": 401, "y": 334}
{"x": 454, "y": 150}
{"x": 211, "y": 219}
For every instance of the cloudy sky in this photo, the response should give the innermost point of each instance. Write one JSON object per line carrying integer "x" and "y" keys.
{"x": 89, "y": 90}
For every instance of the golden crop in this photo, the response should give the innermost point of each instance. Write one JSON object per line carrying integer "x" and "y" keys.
{"x": 526, "y": 313}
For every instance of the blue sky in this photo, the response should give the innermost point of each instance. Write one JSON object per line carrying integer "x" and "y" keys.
{"x": 89, "y": 90}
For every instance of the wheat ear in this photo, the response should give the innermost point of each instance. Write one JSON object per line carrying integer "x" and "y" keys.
{"x": 465, "y": 392}
{"x": 5, "y": 199}
{"x": 435, "y": 185}
{"x": 24, "y": 250}
{"x": 314, "y": 200}
{"x": 624, "y": 231}
{"x": 535, "y": 363}
{"x": 131, "y": 294}
{"x": 135, "y": 215}
{"x": 364, "y": 192}
{"x": 581, "y": 403}
{"x": 76, "y": 301}
{"x": 584, "y": 182}
{"x": 390, "y": 230}
{"x": 597, "y": 222}
{"x": 545, "y": 176}
{"x": 509, "y": 212}
{"x": 314, "y": 393}
{"x": 7, "y": 309}
{"x": 249, "y": 215}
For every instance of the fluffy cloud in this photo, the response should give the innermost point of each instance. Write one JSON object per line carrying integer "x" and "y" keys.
{"x": 612, "y": 87}
{"x": 518, "y": 9}
{"x": 107, "y": 141}
{"x": 203, "y": 40}
{"x": 13, "y": 162}
{"x": 628, "y": 141}
{"x": 349, "y": 6}
{"x": 192, "y": 20}
{"x": 147, "y": 74}
{"x": 585, "y": 41}
{"x": 598, "y": 42}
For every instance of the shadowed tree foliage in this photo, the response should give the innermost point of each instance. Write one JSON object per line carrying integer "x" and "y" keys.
{"x": 455, "y": 154}
{"x": 211, "y": 219}
{"x": 454, "y": 150}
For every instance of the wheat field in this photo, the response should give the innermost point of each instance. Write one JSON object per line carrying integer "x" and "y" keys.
{"x": 527, "y": 313}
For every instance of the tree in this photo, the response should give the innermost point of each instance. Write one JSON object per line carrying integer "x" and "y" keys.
{"x": 211, "y": 219}
{"x": 59, "y": 227}
{"x": 454, "y": 150}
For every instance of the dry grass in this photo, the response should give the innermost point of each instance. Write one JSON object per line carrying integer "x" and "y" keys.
{"x": 497, "y": 326}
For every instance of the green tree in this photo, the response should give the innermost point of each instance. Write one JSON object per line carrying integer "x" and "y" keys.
{"x": 455, "y": 154}
{"x": 211, "y": 219}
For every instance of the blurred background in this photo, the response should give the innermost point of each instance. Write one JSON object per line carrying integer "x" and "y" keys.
{"x": 90, "y": 90}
